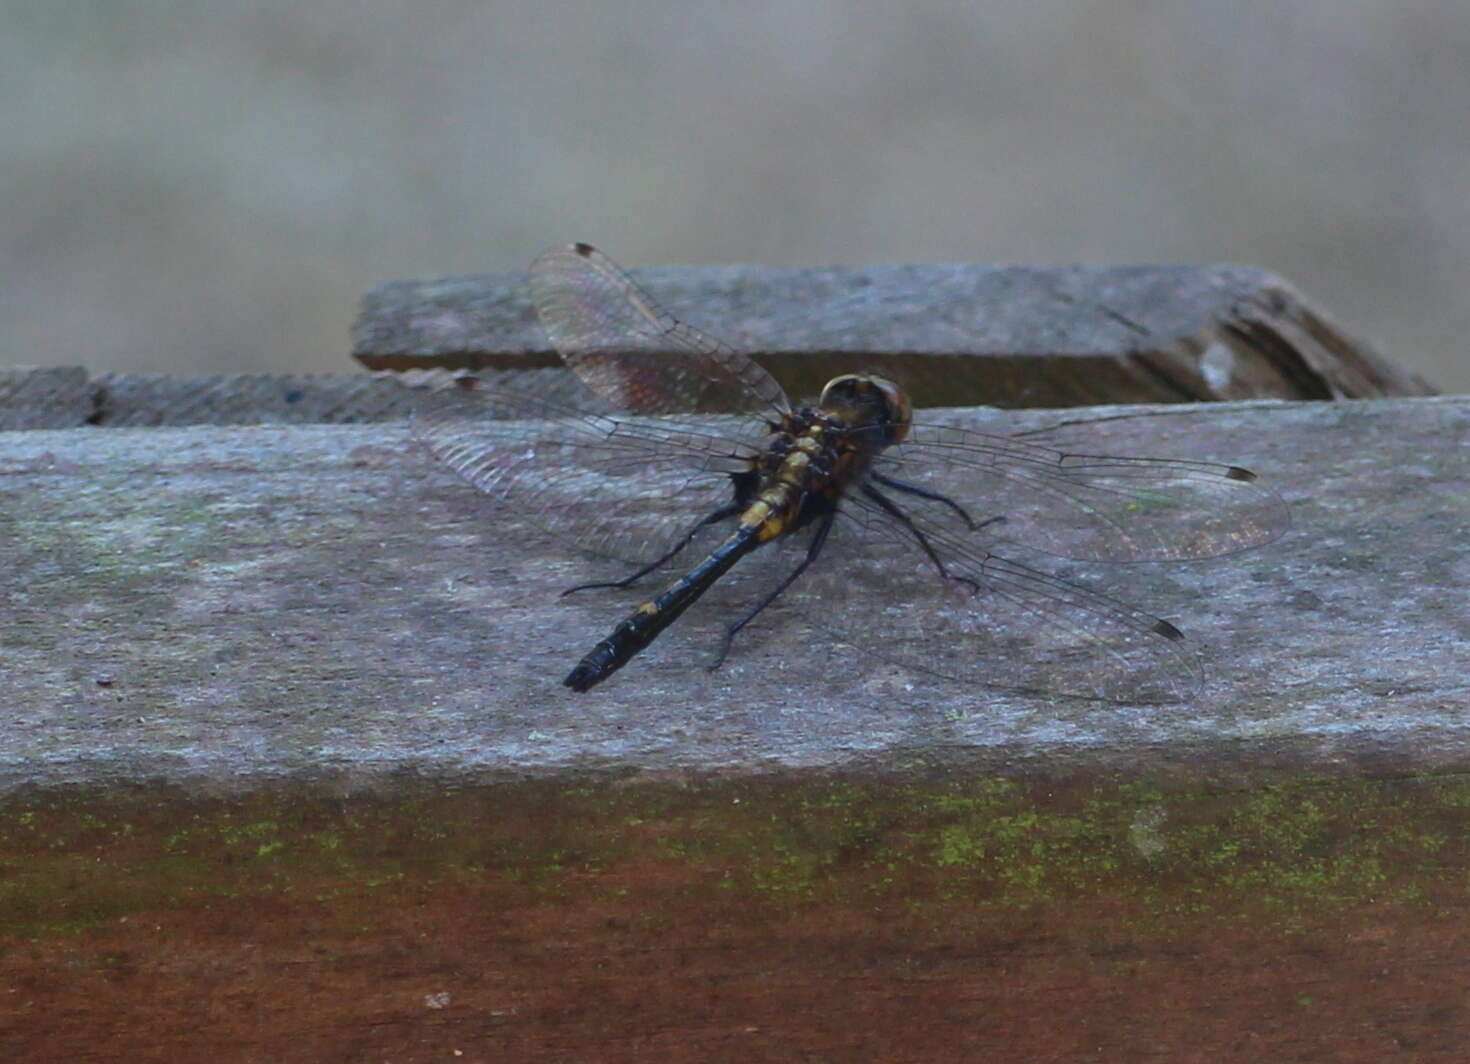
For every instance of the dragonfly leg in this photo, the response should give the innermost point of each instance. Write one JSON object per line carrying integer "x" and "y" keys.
{"x": 892, "y": 509}
{"x": 813, "y": 549}
{"x": 709, "y": 519}
{"x": 934, "y": 496}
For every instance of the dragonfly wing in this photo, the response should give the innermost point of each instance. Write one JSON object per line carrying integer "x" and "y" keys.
{"x": 1084, "y": 506}
{"x": 625, "y": 488}
{"x": 989, "y": 621}
{"x": 631, "y": 351}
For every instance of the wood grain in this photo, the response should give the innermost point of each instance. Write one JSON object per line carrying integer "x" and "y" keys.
{"x": 249, "y": 603}
{"x": 1009, "y": 336}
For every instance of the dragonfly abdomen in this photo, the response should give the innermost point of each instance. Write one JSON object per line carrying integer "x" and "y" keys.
{"x": 641, "y": 627}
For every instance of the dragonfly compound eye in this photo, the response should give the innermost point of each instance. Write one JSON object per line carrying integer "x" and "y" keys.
{"x": 864, "y": 401}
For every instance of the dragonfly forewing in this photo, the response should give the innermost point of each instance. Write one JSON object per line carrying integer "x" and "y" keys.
{"x": 627, "y": 348}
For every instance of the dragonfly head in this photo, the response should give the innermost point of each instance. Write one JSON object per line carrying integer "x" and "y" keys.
{"x": 866, "y": 401}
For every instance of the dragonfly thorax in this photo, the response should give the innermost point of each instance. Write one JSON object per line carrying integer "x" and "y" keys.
{"x": 817, "y": 454}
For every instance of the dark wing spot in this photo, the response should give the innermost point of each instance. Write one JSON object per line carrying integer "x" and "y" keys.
{"x": 1236, "y": 473}
{"x": 584, "y": 249}
{"x": 1167, "y": 630}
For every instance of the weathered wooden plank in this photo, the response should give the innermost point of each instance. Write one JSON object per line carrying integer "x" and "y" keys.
{"x": 974, "y": 918}
{"x": 1010, "y": 336}
{"x": 248, "y": 398}
{"x": 245, "y": 603}
{"x": 45, "y": 397}
{"x": 322, "y": 638}
{"x": 70, "y": 397}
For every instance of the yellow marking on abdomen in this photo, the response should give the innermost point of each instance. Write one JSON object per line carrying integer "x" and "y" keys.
{"x": 793, "y": 470}
{"x": 756, "y": 513}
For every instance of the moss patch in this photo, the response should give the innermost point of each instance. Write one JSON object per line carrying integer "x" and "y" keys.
{"x": 1283, "y": 853}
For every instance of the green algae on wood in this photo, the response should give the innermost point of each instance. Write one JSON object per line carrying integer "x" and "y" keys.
{"x": 1284, "y": 853}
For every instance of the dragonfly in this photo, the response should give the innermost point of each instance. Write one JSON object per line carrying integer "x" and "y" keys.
{"x": 674, "y": 452}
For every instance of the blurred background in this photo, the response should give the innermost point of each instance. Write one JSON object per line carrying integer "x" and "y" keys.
{"x": 211, "y": 185}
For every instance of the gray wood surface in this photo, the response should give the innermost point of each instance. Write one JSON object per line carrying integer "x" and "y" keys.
{"x": 233, "y": 604}
{"x": 70, "y": 396}
{"x": 1011, "y": 336}
{"x": 45, "y": 397}
{"x": 248, "y": 398}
